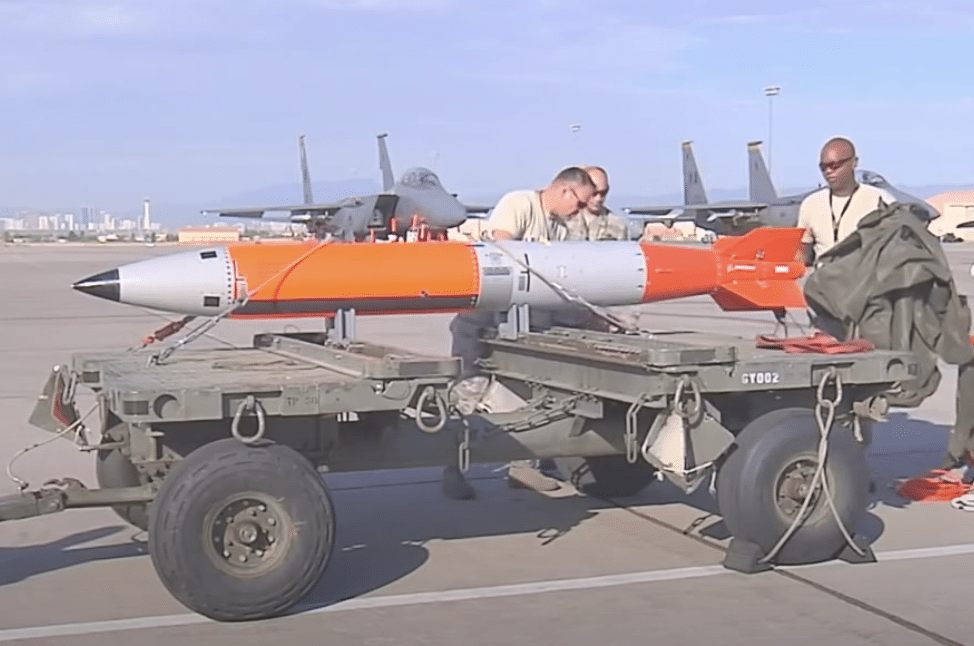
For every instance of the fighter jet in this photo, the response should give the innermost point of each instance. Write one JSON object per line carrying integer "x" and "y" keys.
{"x": 417, "y": 201}
{"x": 877, "y": 180}
{"x": 764, "y": 208}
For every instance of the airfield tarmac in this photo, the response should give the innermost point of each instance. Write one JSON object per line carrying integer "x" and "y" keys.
{"x": 411, "y": 567}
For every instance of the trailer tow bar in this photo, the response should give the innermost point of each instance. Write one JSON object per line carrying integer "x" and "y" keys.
{"x": 69, "y": 493}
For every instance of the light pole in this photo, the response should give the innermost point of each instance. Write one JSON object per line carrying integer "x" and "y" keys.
{"x": 575, "y": 128}
{"x": 770, "y": 92}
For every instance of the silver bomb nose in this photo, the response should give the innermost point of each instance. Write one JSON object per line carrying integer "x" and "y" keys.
{"x": 104, "y": 285}
{"x": 199, "y": 282}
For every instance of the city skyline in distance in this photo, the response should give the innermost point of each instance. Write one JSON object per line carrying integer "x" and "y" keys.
{"x": 175, "y": 214}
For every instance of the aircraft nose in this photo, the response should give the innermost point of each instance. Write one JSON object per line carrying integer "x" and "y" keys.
{"x": 104, "y": 285}
{"x": 458, "y": 213}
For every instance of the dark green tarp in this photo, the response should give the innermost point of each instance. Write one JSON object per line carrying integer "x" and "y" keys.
{"x": 889, "y": 282}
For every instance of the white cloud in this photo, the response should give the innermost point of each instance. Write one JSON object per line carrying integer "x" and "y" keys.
{"x": 840, "y": 16}
{"x": 747, "y": 19}
{"x": 23, "y": 18}
{"x": 382, "y": 5}
{"x": 550, "y": 44}
{"x": 19, "y": 81}
{"x": 778, "y": 19}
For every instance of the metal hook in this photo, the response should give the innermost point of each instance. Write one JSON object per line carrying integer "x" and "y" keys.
{"x": 250, "y": 403}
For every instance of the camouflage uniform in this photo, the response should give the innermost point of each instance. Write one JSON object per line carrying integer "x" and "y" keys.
{"x": 595, "y": 227}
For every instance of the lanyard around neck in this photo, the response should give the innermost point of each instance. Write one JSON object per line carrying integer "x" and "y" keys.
{"x": 836, "y": 223}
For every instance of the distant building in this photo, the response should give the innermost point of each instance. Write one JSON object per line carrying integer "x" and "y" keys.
{"x": 956, "y": 208}
{"x": 469, "y": 228}
{"x": 208, "y": 235}
{"x": 146, "y": 223}
{"x": 658, "y": 232}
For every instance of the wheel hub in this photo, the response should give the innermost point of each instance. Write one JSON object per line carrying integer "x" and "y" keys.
{"x": 246, "y": 535}
{"x": 793, "y": 486}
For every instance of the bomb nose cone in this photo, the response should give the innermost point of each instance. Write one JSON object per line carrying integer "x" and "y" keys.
{"x": 104, "y": 285}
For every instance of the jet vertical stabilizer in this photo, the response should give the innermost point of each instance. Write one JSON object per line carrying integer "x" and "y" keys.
{"x": 693, "y": 190}
{"x": 761, "y": 187}
{"x": 388, "y": 179}
{"x": 305, "y": 173}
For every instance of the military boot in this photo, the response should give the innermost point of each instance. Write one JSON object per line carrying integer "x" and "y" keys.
{"x": 455, "y": 485}
{"x": 524, "y": 474}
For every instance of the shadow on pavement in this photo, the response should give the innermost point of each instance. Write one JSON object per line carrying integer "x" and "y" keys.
{"x": 904, "y": 448}
{"x": 383, "y": 530}
{"x": 21, "y": 563}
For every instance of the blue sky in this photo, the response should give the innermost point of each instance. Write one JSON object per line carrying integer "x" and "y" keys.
{"x": 185, "y": 101}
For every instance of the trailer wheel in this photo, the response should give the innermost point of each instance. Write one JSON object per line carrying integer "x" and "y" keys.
{"x": 241, "y": 532}
{"x": 113, "y": 470}
{"x": 763, "y": 482}
{"x": 606, "y": 475}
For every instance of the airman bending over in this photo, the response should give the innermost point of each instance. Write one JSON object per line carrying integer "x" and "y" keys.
{"x": 539, "y": 215}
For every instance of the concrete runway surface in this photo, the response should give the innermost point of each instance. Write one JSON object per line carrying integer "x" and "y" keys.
{"x": 411, "y": 567}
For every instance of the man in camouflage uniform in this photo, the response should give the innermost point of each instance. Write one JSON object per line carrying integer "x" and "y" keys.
{"x": 595, "y": 221}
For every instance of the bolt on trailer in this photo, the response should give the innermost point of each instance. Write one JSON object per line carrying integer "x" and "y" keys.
{"x": 218, "y": 453}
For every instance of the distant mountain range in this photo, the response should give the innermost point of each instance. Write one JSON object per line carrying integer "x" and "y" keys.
{"x": 176, "y": 215}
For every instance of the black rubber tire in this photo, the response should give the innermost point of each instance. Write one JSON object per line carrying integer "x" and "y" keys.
{"x": 182, "y": 546}
{"x": 607, "y": 476}
{"x": 113, "y": 470}
{"x": 747, "y": 481}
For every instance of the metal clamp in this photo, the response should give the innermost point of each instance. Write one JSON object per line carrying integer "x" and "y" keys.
{"x": 250, "y": 403}
{"x": 463, "y": 450}
{"x": 820, "y": 393}
{"x": 678, "y": 408}
{"x": 632, "y": 446}
{"x": 70, "y": 388}
{"x": 430, "y": 393}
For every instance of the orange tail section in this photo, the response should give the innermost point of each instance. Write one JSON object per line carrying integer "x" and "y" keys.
{"x": 760, "y": 270}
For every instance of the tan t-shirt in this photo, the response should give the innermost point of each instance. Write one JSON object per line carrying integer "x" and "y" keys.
{"x": 820, "y": 216}
{"x": 520, "y": 214}
{"x": 603, "y": 226}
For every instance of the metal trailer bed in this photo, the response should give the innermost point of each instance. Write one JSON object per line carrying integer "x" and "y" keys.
{"x": 218, "y": 453}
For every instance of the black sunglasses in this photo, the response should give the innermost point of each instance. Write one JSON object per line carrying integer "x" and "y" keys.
{"x": 824, "y": 166}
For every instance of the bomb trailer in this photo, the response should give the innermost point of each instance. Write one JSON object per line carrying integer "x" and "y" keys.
{"x": 218, "y": 453}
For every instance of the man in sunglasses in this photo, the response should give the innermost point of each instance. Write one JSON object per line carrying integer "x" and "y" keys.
{"x": 831, "y": 213}
{"x": 543, "y": 216}
{"x": 595, "y": 221}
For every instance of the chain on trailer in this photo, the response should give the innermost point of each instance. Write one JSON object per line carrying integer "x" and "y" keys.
{"x": 539, "y": 417}
{"x": 442, "y": 415}
{"x": 463, "y": 450}
{"x": 687, "y": 404}
{"x": 825, "y": 417}
{"x": 632, "y": 414}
